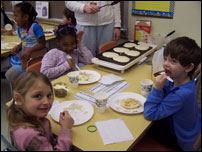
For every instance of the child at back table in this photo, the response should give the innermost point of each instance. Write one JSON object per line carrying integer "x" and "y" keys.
{"x": 32, "y": 39}
{"x": 29, "y": 129}
{"x": 176, "y": 101}
{"x": 70, "y": 51}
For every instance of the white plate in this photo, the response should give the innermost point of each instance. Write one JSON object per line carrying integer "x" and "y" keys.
{"x": 10, "y": 45}
{"x": 49, "y": 34}
{"x": 94, "y": 77}
{"x": 114, "y": 102}
{"x": 80, "y": 111}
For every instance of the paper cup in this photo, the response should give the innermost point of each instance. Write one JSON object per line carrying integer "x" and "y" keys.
{"x": 101, "y": 99}
{"x": 73, "y": 79}
{"x": 146, "y": 87}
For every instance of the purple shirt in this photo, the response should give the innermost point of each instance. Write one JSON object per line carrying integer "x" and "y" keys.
{"x": 54, "y": 62}
{"x": 29, "y": 139}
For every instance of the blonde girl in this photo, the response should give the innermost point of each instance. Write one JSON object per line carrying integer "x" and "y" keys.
{"x": 29, "y": 129}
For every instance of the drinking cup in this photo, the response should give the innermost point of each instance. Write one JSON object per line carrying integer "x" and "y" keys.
{"x": 146, "y": 87}
{"x": 101, "y": 99}
{"x": 73, "y": 79}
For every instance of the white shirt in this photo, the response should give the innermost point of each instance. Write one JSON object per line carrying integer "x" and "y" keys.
{"x": 106, "y": 15}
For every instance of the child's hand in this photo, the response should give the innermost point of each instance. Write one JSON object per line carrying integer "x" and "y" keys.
{"x": 66, "y": 120}
{"x": 25, "y": 54}
{"x": 70, "y": 62}
{"x": 160, "y": 81}
{"x": 15, "y": 49}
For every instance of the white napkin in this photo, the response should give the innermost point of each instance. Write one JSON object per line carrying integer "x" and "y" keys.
{"x": 110, "y": 79}
{"x": 55, "y": 102}
{"x": 113, "y": 131}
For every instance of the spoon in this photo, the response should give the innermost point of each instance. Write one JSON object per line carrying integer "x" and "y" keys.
{"x": 64, "y": 88}
{"x": 113, "y": 3}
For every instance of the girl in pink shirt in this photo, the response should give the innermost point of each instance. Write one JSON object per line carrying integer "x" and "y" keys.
{"x": 29, "y": 129}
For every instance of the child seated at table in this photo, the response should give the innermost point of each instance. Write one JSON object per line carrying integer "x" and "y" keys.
{"x": 70, "y": 51}
{"x": 32, "y": 39}
{"x": 29, "y": 129}
{"x": 174, "y": 103}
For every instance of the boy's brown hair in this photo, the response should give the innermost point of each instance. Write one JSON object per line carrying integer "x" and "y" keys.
{"x": 69, "y": 14}
{"x": 185, "y": 50}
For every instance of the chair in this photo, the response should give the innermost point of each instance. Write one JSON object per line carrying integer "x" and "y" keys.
{"x": 106, "y": 46}
{"x": 35, "y": 56}
{"x": 9, "y": 147}
{"x": 197, "y": 144}
{"x": 34, "y": 67}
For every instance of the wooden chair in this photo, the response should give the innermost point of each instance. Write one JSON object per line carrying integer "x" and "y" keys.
{"x": 34, "y": 67}
{"x": 107, "y": 46}
{"x": 35, "y": 56}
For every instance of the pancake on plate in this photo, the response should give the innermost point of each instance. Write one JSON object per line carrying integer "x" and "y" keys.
{"x": 84, "y": 76}
{"x": 129, "y": 103}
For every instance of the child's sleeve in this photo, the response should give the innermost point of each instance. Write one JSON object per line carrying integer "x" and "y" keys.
{"x": 38, "y": 31}
{"x": 50, "y": 66}
{"x": 32, "y": 140}
{"x": 85, "y": 54}
{"x": 158, "y": 107}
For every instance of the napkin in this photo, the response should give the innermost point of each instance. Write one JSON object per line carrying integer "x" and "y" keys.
{"x": 55, "y": 102}
{"x": 110, "y": 79}
{"x": 113, "y": 131}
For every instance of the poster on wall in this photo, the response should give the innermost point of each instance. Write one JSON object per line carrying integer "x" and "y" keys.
{"x": 162, "y": 9}
{"x": 42, "y": 8}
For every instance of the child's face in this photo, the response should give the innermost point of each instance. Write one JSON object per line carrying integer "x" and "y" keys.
{"x": 19, "y": 18}
{"x": 173, "y": 68}
{"x": 66, "y": 20}
{"x": 38, "y": 100}
{"x": 68, "y": 44}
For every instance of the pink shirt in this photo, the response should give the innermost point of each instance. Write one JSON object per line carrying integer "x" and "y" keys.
{"x": 29, "y": 139}
{"x": 54, "y": 62}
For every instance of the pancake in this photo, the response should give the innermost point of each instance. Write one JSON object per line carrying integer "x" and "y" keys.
{"x": 109, "y": 54}
{"x": 129, "y": 45}
{"x": 121, "y": 59}
{"x": 142, "y": 47}
{"x": 129, "y": 103}
{"x": 84, "y": 76}
{"x": 120, "y": 49}
{"x": 132, "y": 53}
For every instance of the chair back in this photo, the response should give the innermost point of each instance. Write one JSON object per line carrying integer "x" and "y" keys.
{"x": 106, "y": 46}
{"x": 34, "y": 57}
{"x": 34, "y": 67}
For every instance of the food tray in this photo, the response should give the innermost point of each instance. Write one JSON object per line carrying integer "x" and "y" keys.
{"x": 110, "y": 63}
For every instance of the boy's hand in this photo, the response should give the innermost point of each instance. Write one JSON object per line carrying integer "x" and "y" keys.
{"x": 66, "y": 120}
{"x": 160, "y": 81}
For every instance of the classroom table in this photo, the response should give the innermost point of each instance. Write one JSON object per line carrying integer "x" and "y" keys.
{"x": 15, "y": 38}
{"x": 136, "y": 123}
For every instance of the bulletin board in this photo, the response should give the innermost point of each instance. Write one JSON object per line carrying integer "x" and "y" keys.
{"x": 162, "y": 9}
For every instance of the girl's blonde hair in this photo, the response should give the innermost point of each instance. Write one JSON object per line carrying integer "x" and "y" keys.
{"x": 15, "y": 115}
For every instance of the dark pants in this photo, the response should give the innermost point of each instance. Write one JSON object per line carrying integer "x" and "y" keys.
{"x": 160, "y": 132}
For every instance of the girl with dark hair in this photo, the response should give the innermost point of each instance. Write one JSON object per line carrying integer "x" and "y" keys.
{"x": 59, "y": 61}
{"x": 31, "y": 35}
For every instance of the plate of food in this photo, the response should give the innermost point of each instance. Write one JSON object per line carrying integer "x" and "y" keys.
{"x": 48, "y": 32}
{"x": 88, "y": 76}
{"x": 127, "y": 103}
{"x": 10, "y": 45}
{"x": 80, "y": 111}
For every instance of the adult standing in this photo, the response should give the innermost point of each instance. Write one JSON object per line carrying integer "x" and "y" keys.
{"x": 99, "y": 25}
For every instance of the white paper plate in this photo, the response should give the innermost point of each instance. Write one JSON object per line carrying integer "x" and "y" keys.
{"x": 80, "y": 111}
{"x": 94, "y": 77}
{"x": 49, "y": 34}
{"x": 9, "y": 46}
{"x": 114, "y": 102}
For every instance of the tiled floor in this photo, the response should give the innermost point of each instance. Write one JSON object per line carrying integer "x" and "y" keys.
{"x": 5, "y": 96}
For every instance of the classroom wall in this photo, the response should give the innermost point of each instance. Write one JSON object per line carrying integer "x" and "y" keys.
{"x": 186, "y": 21}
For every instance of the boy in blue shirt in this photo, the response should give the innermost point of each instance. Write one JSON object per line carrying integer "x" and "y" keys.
{"x": 175, "y": 102}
